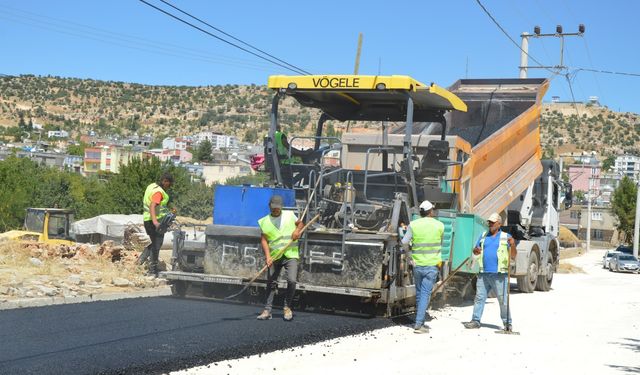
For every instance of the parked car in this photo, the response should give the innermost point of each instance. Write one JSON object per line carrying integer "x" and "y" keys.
{"x": 624, "y": 263}
{"x": 607, "y": 257}
{"x": 625, "y": 249}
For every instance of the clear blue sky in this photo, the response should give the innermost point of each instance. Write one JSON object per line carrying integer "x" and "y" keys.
{"x": 125, "y": 40}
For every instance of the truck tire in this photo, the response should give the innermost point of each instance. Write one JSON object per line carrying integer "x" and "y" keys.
{"x": 544, "y": 281}
{"x": 527, "y": 283}
{"x": 179, "y": 288}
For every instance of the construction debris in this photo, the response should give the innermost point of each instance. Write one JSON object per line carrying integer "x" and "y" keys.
{"x": 31, "y": 270}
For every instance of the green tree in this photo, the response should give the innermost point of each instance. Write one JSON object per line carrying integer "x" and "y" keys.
{"x": 623, "y": 206}
{"x": 197, "y": 201}
{"x": 18, "y": 177}
{"x": 204, "y": 152}
{"x": 77, "y": 149}
{"x": 257, "y": 179}
{"x": 124, "y": 191}
{"x": 608, "y": 163}
{"x": 251, "y": 136}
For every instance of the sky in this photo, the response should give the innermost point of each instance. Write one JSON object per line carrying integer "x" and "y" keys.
{"x": 432, "y": 41}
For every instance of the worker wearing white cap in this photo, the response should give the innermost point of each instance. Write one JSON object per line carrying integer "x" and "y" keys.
{"x": 425, "y": 237}
{"x": 491, "y": 253}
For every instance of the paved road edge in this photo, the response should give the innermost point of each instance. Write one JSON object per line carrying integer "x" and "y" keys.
{"x": 48, "y": 301}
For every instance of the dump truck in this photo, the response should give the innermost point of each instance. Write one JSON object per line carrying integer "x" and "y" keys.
{"x": 471, "y": 150}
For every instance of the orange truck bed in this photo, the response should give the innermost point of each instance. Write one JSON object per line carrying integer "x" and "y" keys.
{"x": 502, "y": 125}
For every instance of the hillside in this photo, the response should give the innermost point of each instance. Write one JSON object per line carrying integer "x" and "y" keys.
{"x": 117, "y": 107}
{"x": 107, "y": 107}
{"x": 595, "y": 129}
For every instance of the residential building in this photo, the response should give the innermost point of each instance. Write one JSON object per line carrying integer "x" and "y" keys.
{"x": 57, "y": 134}
{"x": 136, "y": 140}
{"x": 583, "y": 176}
{"x": 603, "y": 225}
{"x": 174, "y": 156}
{"x": 628, "y": 165}
{"x": 73, "y": 163}
{"x": 217, "y": 140}
{"x": 108, "y": 158}
{"x": 178, "y": 143}
{"x": 220, "y": 171}
{"x": 609, "y": 182}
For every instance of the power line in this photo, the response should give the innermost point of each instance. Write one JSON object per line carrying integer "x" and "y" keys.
{"x": 88, "y": 32}
{"x": 595, "y": 76}
{"x": 608, "y": 72}
{"x": 508, "y": 36}
{"x": 222, "y": 39}
{"x": 231, "y": 36}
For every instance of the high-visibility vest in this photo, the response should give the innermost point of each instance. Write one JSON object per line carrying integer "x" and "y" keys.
{"x": 427, "y": 241}
{"x": 161, "y": 209}
{"x": 503, "y": 253}
{"x": 280, "y": 237}
{"x": 281, "y": 150}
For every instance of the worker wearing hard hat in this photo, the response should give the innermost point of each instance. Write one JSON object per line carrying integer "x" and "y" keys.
{"x": 278, "y": 229}
{"x": 425, "y": 237}
{"x": 491, "y": 253}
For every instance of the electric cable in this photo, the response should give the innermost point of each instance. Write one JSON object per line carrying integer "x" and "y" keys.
{"x": 221, "y": 39}
{"x": 231, "y": 36}
{"x": 509, "y": 37}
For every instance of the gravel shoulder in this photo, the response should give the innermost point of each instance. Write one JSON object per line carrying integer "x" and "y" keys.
{"x": 588, "y": 324}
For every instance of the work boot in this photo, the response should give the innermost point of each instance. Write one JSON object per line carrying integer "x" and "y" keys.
{"x": 474, "y": 324}
{"x": 288, "y": 314}
{"x": 264, "y": 315}
{"x": 421, "y": 329}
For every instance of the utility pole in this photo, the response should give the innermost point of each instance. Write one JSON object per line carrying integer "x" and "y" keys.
{"x": 357, "y": 67}
{"x": 524, "y": 54}
{"x": 589, "y": 216}
{"x": 636, "y": 227}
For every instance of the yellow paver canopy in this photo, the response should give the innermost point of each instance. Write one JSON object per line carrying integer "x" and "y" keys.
{"x": 368, "y": 98}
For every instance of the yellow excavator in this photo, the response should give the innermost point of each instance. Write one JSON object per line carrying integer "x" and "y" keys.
{"x": 46, "y": 225}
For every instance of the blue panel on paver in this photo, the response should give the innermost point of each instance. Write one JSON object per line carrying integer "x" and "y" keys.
{"x": 245, "y": 205}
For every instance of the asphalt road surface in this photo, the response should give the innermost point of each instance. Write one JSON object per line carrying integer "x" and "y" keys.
{"x": 153, "y": 335}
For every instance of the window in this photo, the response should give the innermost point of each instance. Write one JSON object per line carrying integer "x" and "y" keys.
{"x": 575, "y": 214}
{"x": 596, "y": 216}
{"x": 598, "y": 235}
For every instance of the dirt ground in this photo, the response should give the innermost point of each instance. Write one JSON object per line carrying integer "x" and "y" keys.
{"x": 32, "y": 270}
{"x": 588, "y": 324}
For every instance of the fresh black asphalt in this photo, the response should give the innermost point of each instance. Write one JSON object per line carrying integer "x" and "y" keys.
{"x": 153, "y": 335}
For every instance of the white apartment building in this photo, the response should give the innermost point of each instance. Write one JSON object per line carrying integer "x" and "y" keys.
{"x": 217, "y": 140}
{"x": 628, "y": 165}
{"x": 178, "y": 143}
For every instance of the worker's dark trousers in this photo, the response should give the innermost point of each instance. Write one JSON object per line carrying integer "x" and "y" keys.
{"x": 291, "y": 268}
{"x": 153, "y": 250}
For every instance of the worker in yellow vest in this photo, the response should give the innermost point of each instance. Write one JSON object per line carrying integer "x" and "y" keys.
{"x": 425, "y": 237}
{"x": 491, "y": 253}
{"x": 278, "y": 229}
{"x": 154, "y": 204}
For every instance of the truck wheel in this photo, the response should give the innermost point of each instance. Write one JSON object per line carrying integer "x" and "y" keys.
{"x": 527, "y": 283}
{"x": 544, "y": 281}
{"x": 179, "y": 288}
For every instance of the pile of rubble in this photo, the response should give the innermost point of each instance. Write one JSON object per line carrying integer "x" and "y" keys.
{"x": 30, "y": 270}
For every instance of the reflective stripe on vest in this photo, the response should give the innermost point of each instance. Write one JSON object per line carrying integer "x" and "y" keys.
{"x": 427, "y": 241}
{"x": 279, "y": 238}
{"x": 503, "y": 253}
{"x": 161, "y": 209}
